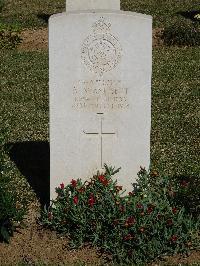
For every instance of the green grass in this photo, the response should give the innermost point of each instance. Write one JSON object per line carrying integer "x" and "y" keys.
{"x": 25, "y": 13}
{"x": 164, "y": 12}
{"x": 29, "y": 13}
{"x": 175, "y": 111}
{"x": 24, "y": 95}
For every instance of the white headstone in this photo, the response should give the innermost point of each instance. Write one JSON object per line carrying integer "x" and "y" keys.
{"x": 100, "y": 94}
{"x": 74, "y": 5}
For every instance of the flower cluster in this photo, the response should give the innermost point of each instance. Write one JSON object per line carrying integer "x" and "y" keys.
{"x": 103, "y": 180}
{"x": 100, "y": 212}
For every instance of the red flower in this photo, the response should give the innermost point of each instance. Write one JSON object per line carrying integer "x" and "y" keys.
{"x": 174, "y": 210}
{"x": 81, "y": 190}
{"x": 50, "y": 216}
{"x": 139, "y": 206}
{"x": 122, "y": 208}
{"x": 103, "y": 180}
{"x": 173, "y": 238}
{"x": 62, "y": 186}
{"x": 74, "y": 183}
{"x": 169, "y": 222}
{"x": 159, "y": 216}
{"x": 130, "y": 221}
{"x": 128, "y": 237}
{"x": 75, "y": 200}
{"x": 142, "y": 229}
{"x": 184, "y": 183}
{"x": 91, "y": 200}
{"x": 149, "y": 210}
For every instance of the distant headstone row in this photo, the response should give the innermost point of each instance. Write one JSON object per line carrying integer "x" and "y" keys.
{"x": 100, "y": 91}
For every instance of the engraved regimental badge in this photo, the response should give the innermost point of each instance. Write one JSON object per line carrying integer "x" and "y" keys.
{"x": 101, "y": 51}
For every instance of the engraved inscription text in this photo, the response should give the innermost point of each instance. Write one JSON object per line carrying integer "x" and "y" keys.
{"x": 100, "y": 95}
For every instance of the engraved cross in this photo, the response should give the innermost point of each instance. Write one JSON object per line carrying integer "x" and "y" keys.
{"x": 100, "y": 133}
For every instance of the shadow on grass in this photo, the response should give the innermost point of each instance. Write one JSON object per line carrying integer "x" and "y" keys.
{"x": 189, "y": 14}
{"x": 33, "y": 161}
{"x": 44, "y": 17}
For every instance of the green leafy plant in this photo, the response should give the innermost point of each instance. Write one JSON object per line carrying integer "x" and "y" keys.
{"x": 9, "y": 36}
{"x": 182, "y": 33}
{"x": 137, "y": 227}
{"x": 185, "y": 190}
{"x": 188, "y": 193}
{"x": 11, "y": 211}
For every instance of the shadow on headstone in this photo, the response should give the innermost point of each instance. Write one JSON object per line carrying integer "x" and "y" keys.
{"x": 44, "y": 17}
{"x": 33, "y": 161}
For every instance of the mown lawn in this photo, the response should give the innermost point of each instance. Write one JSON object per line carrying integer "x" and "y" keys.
{"x": 35, "y": 12}
{"x": 175, "y": 111}
{"x": 164, "y": 12}
{"x": 24, "y": 95}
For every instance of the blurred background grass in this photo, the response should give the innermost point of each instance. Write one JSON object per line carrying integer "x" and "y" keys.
{"x": 32, "y": 13}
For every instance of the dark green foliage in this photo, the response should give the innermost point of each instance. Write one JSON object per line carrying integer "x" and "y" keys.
{"x": 138, "y": 227}
{"x": 2, "y": 2}
{"x": 188, "y": 193}
{"x": 183, "y": 32}
{"x": 11, "y": 211}
{"x": 9, "y": 36}
{"x": 185, "y": 191}
{"x": 8, "y": 211}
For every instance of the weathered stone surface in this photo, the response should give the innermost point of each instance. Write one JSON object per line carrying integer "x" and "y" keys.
{"x": 100, "y": 94}
{"x": 73, "y": 5}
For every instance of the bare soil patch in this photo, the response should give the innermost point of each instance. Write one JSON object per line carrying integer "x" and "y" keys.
{"x": 37, "y": 39}
{"x": 33, "y": 244}
{"x": 157, "y": 37}
{"x": 34, "y": 39}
